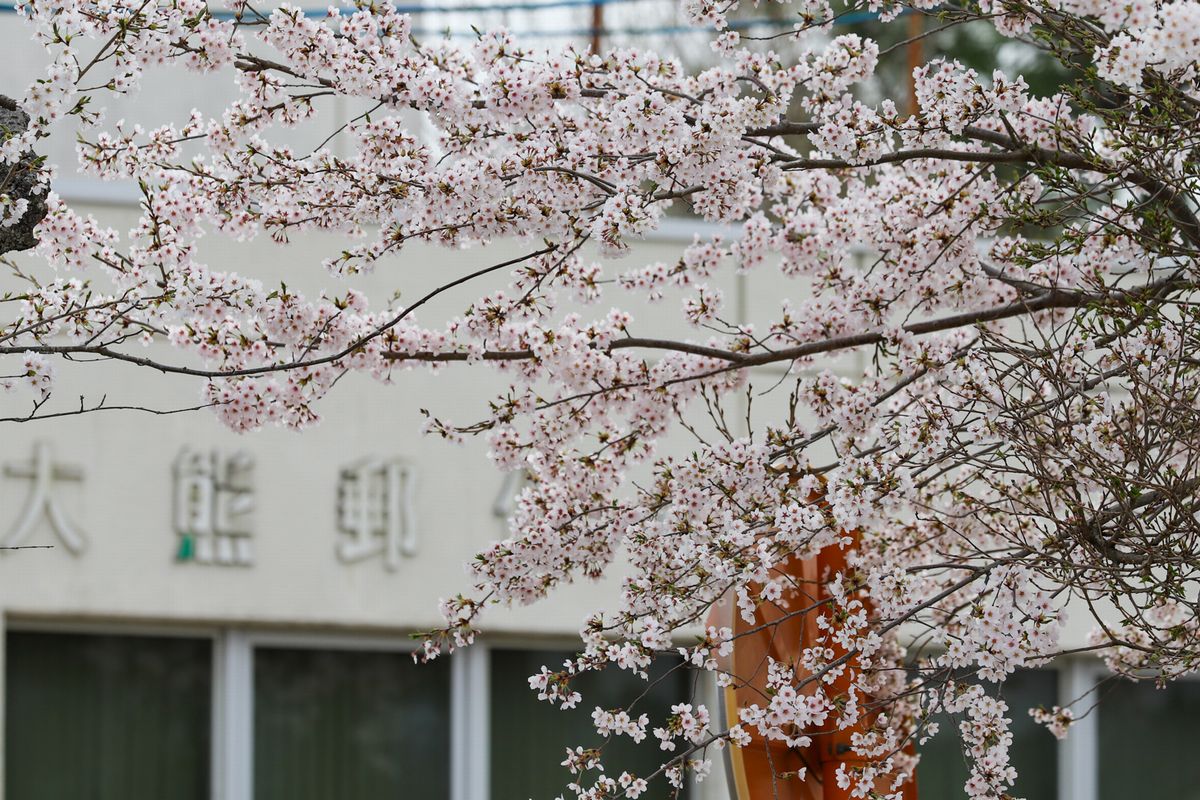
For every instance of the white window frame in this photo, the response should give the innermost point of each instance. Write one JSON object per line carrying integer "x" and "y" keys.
{"x": 231, "y": 747}
{"x": 1078, "y": 754}
{"x": 708, "y": 694}
{"x": 33, "y": 624}
{"x": 237, "y": 766}
{"x": 232, "y": 715}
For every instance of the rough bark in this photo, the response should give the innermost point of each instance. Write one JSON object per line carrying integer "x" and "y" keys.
{"x": 19, "y": 180}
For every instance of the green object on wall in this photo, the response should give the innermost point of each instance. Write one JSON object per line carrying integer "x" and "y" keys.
{"x": 187, "y": 548}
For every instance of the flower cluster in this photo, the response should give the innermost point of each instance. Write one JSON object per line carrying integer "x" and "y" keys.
{"x": 979, "y": 359}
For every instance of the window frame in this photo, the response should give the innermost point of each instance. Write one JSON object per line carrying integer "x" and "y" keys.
{"x": 709, "y": 695}
{"x": 33, "y": 624}
{"x": 232, "y": 710}
{"x": 1077, "y": 676}
{"x": 237, "y": 746}
{"x": 231, "y": 751}
{"x": 1079, "y": 753}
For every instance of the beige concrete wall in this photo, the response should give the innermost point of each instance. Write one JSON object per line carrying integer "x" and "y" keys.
{"x": 124, "y": 503}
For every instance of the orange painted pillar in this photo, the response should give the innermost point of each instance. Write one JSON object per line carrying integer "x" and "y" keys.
{"x": 766, "y": 770}
{"x": 834, "y": 743}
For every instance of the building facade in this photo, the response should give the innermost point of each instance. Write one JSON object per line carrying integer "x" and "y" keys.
{"x": 189, "y": 614}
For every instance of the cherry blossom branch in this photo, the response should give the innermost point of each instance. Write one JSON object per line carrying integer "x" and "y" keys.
{"x": 1048, "y": 300}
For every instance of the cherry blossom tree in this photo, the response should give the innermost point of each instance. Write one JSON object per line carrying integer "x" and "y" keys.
{"x": 1016, "y": 272}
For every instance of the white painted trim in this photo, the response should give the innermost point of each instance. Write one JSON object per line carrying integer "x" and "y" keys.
{"x": 458, "y": 725}
{"x": 182, "y": 630}
{"x": 217, "y": 789}
{"x": 682, "y": 229}
{"x": 3, "y": 694}
{"x": 523, "y": 641}
{"x": 233, "y": 718}
{"x": 470, "y": 723}
{"x": 320, "y": 640}
{"x": 1078, "y": 754}
{"x": 479, "y": 695}
{"x": 97, "y": 192}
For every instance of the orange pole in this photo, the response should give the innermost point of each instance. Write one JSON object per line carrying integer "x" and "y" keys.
{"x": 597, "y": 24}
{"x": 835, "y": 742}
{"x": 769, "y": 769}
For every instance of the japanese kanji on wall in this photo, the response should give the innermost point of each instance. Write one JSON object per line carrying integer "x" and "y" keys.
{"x": 375, "y": 512}
{"x": 214, "y": 501}
{"x": 44, "y": 474}
{"x": 214, "y": 507}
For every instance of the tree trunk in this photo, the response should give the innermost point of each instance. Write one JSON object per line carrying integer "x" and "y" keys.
{"x": 19, "y": 181}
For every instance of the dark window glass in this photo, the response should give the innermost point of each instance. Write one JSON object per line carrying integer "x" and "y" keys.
{"x": 529, "y": 736}
{"x": 107, "y": 717}
{"x": 1149, "y": 740}
{"x": 350, "y": 725}
{"x": 1034, "y": 751}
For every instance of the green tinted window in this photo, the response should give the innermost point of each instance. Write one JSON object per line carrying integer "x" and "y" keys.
{"x": 350, "y": 725}
{"x": 1034, "y": 751}
{"x": 529, "y": 737}
{"x": 1149, "y": 740}
{"x": 107, "y": 717}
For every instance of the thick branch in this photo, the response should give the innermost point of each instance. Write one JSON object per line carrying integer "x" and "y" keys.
{"x": 1049, "y": 300}
{"x": 1056, "y": 298}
